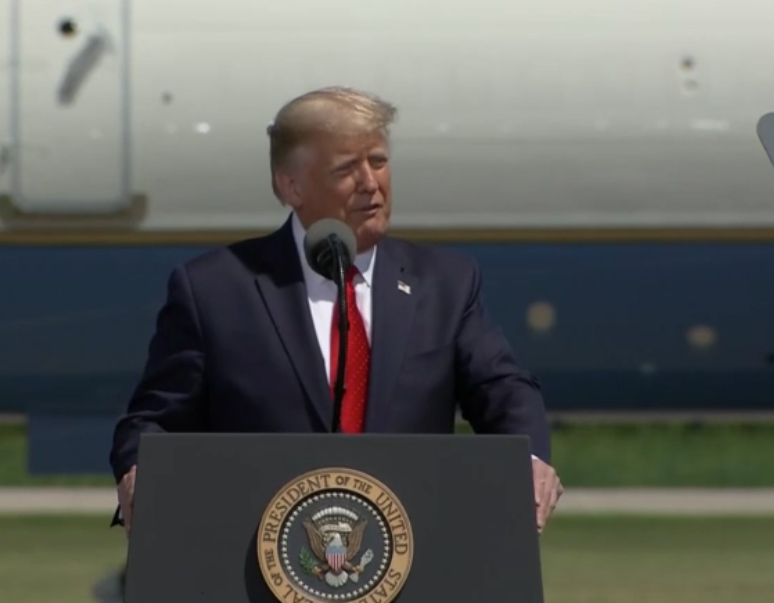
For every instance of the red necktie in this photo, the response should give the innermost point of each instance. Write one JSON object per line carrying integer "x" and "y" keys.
{"x": 358, "y": 360}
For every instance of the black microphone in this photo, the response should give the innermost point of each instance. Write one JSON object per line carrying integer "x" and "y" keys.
{"x": 330, "y": 249}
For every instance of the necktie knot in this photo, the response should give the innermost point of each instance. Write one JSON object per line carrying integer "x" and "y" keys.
{"x": 350, "y": 278}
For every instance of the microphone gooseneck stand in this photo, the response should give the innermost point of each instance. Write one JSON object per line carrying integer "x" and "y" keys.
{"x": 340, "y": 276}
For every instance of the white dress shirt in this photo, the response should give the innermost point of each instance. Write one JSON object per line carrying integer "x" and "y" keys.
{"x": 322, "y": 294}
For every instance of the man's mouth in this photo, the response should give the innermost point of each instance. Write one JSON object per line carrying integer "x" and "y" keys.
{"x": 368, "y": 208}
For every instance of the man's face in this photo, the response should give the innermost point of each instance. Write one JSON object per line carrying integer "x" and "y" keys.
{"x": 347, "y": 178}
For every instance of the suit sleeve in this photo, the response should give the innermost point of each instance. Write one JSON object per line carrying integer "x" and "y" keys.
{"x": 169, "y": 396}
{"x": 496, "y": 394}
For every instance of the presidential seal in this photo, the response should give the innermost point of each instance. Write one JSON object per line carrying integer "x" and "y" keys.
{"x": 335, "y": 535}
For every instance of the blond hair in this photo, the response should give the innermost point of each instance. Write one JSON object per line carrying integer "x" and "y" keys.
{"x": 331, "y": 110}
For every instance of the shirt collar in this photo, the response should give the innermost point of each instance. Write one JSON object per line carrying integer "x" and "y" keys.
{"x": 364, "y": 262}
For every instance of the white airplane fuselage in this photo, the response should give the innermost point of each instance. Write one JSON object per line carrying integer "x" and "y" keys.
{"x": 511, "y": 114}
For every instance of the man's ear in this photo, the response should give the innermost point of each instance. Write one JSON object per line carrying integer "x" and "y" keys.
{"x": 286, "y": 185}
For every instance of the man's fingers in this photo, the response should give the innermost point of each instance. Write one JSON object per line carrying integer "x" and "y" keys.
{"x": 539, "y": 480}
{"x": 555, "y": 494}
{"x": 550, "y": 494}
{"x": 126, "y": 498}
{"x": 548, "y": 489}
{"x": 539, "y": 486}
{"x": 542, "y": 498}
{"x": 545, "y": 506}
{"x": 127, "y": 513}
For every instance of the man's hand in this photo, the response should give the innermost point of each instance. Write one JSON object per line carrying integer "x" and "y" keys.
{"x": 548, "y": 490}
{"x": 126, "y": 497}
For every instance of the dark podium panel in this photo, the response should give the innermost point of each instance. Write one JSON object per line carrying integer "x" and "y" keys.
{"x": 359, "y": 518}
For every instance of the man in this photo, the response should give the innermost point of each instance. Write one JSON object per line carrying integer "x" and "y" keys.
{"x": 246, "y": 340}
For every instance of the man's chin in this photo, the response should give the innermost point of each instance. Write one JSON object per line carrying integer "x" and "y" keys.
{"x": 369, "y": 231}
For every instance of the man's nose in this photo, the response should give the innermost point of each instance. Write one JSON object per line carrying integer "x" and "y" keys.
{"x": 367, "y": 181}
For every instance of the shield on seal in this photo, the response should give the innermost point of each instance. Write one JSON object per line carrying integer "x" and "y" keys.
{"x": 336, "y": 554}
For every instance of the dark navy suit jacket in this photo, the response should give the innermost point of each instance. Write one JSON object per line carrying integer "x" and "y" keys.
{"x": 235, "y": 351}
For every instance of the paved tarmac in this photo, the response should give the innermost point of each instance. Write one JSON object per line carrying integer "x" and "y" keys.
{"x": 668, "y": 501}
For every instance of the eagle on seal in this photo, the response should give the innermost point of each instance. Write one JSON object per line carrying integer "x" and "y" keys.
{"x": 335, "y": 550}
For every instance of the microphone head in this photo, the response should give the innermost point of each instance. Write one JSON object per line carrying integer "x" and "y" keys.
{"x": 324, "y": 239}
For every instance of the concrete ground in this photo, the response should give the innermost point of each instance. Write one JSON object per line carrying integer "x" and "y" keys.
{"x": 684, "y": 501}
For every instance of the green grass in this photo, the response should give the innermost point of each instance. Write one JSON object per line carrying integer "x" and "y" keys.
{"x": 658, "y": 560}
{"x": 665, "y": 455}
{"x": 585, "y": 455}
{"x": 585, "y": 559}
{"x": 56, "y": 559}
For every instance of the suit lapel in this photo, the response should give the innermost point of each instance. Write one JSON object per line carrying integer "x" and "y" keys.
{"x": 284, "y": 293}
{"x": 393, "y": 300}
